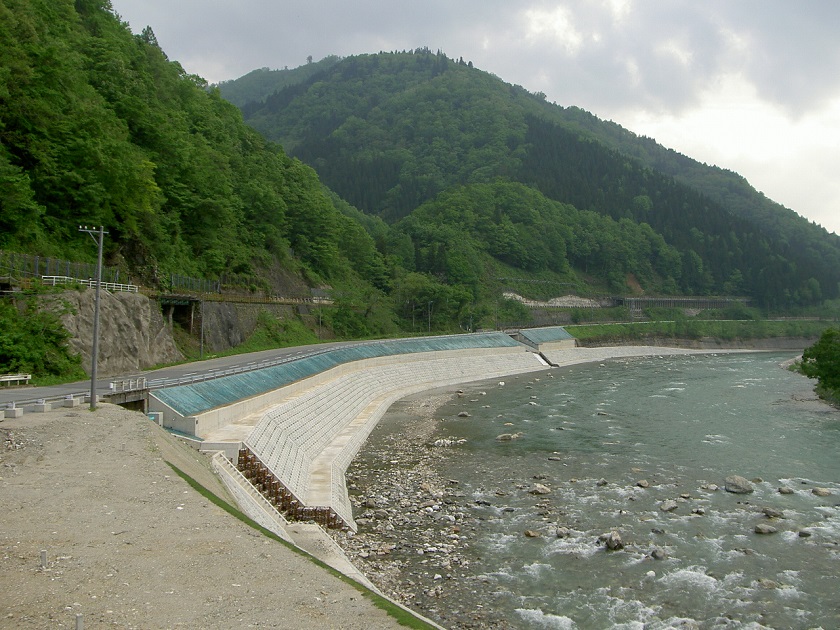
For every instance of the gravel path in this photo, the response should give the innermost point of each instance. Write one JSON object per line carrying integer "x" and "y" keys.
{"x": 129, "y": 544}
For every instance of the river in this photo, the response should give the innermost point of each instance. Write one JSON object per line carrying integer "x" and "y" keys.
{"x": 475, "y": 531}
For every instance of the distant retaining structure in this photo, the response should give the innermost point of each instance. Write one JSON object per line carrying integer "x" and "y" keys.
{"x": 637, "y": 304}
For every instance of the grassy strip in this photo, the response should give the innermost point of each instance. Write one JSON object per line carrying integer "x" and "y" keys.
{"x": 699, "y": 329}
{"x": 402, "y": 616}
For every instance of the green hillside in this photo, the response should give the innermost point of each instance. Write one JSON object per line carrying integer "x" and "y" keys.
{"x": 99, "y": 127}
{"x": 257, "y": 84}
{"x": 393, "y": 131}
{"x": 416, "y": 189}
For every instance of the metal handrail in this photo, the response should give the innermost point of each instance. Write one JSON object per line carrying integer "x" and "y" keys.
{"x": 108, "y": 286}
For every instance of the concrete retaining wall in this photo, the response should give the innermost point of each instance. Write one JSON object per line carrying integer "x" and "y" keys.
{"x": 308, "y": 440}
{"x": 203, "y": 424}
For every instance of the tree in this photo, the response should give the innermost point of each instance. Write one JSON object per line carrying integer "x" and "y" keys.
{"x": 822, "y": 361}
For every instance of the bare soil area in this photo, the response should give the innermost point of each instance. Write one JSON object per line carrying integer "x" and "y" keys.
{"x": 129, "y": 544}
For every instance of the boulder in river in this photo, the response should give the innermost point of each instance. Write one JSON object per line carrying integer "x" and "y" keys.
{"x": 821, "y": 492}
{"x": 669, "y": 505}
{"x": 764, "y": 528}
{"x": 736, "y": 484}
{"x": 613, "y": 541}
{"x": 540, "y": 489}
{"x": 659, "y": 553}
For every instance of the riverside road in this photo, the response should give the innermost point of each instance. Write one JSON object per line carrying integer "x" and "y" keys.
{"x": 22, "y": 396}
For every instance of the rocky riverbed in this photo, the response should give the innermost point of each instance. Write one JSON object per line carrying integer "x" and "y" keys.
{"x": 428, "y": 570}
{"x": 646, "y": 538}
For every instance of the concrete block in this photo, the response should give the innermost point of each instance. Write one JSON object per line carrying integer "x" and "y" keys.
{"x": 72, "y": 402}
{"x": 42, "y": 407}
{"x": 14, "y": 412}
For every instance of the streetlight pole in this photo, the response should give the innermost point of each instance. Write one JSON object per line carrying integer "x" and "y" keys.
{"x": 95, "y": 350}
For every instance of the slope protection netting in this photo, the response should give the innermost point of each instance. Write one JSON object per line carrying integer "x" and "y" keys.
{"x": 195, "y": 398}
{"x": 546, "y": 335}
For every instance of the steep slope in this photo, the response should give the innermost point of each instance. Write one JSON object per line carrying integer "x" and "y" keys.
{"x": 392, "y": 131}
{"x": 98, "y": 127}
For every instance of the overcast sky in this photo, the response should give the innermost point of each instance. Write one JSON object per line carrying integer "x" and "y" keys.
{"x": 752, "y": 86}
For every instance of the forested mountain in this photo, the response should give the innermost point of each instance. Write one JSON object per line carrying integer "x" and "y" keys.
{"x": 444, "y": 185}
{"x": 99, "y": 127}
{"x": 393, "y": 131}
{"x": 257, "y": 84}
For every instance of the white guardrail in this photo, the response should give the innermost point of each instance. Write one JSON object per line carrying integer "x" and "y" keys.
{"x": 108, "y": 286}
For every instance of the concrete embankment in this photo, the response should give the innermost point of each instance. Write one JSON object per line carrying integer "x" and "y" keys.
{"x": 309, "y": 440}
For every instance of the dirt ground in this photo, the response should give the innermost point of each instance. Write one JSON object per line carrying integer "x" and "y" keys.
{"x": 130, "y": 545}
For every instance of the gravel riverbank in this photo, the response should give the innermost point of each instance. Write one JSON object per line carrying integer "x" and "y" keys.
{"x": 428, "y": 571}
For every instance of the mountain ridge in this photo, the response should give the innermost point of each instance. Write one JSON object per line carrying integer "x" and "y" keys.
{"x": 391, "y": 131}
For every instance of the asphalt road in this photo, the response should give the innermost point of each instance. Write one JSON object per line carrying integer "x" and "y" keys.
{"x": 24, "y": 396}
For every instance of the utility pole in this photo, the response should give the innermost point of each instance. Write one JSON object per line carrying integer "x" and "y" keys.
{"x": 201, "y": 341}
{"x": 319, "y": 322}
{"x": 94, "y": 355}
{"x": 430, "y": 314}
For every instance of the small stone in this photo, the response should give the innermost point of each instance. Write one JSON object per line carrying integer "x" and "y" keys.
{"x": 785, "y": 490}
{"x": 643, "y": 483}
{"x": 601, "y": 482}
{"x": 563, "y": 532}
{"x": 464, "y": 414}
{"x": 669, "y": 505}
{"x": 763, "y": 528}
{"x": 804, "y": 533}
{"x": 530, "y": 533}
{"x": 507, "y": 437}
{"x": 698, "y": 511}
{"x": 821, "y": 492}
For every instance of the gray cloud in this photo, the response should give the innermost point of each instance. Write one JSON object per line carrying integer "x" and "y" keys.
{"x": 607, "y": 56}
{"x": 789, "y": 51}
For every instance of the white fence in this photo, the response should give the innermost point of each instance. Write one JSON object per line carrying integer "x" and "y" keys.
{"x": 108, "y": 286}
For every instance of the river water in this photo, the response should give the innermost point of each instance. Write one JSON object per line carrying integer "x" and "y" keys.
{"x": 593, "y": 435}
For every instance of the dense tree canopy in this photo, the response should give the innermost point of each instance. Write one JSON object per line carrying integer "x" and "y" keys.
{"x": 99, "y": 127}
{"x": 822, "y": 361}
